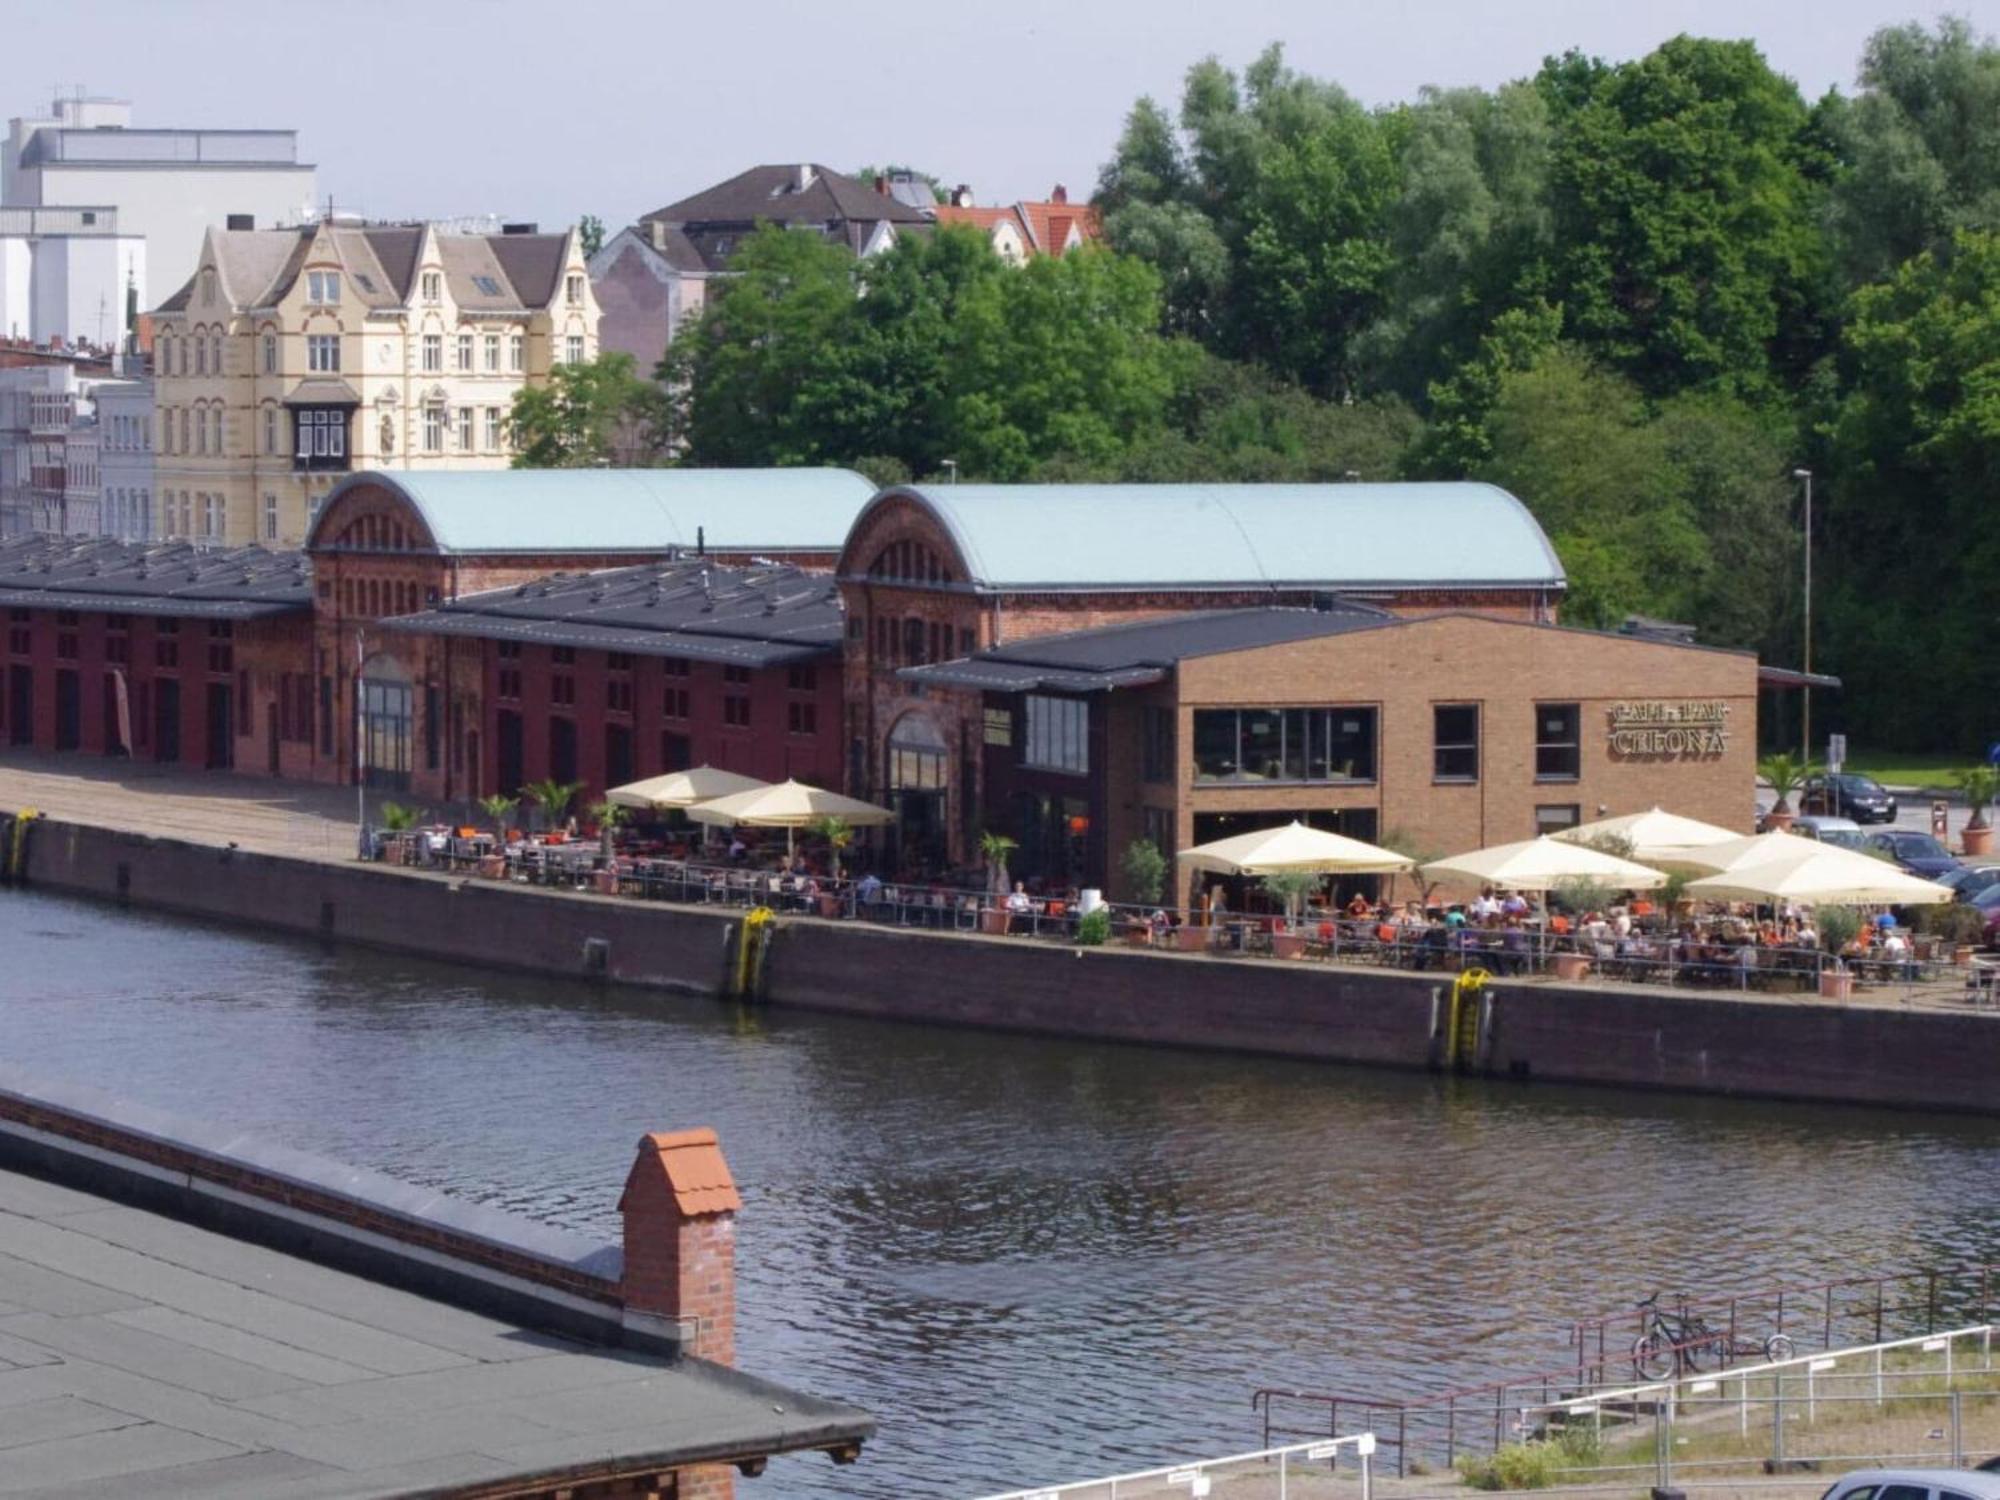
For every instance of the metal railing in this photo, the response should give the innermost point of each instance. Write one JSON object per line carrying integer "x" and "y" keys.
{"x": 1438, "y": 1428}
{"x": 1196, "y": 1477}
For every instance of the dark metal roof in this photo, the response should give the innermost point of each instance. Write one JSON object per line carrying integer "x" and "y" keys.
{"x": 1789, "y": 677}
{"x": 1115, "y": 656}
{"x": 758, "y": 616}
{"x": 772, "y": 193}
{"x": 152, "y": 578}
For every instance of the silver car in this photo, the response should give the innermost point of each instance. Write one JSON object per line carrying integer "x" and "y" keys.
{"x": 1843, "y": 833}
{"x": 1916, "y": 1484}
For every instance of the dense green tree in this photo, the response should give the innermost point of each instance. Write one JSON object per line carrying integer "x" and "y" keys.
{"x": 589, "y": 415}
{"x": 590, "y": 234}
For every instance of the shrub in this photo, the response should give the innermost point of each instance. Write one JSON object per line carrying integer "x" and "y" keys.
{"x": 1145, "y": 870}
{"x": 1512, "y": 1466}
{"x": 1837, "y": 926}
{"x": 1956, "y": 924}
{"x": 1094, "y": 927}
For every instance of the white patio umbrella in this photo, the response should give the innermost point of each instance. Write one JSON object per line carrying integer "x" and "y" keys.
{"x": 1541, "y": 863}
{"x": 682, "y": 789}
{"x": 1656, "y": 835}
{"x": 1293, "y": 847}
{"x": 1820, "y": 875}
{"x": 790, "y": 805}
{"x": 1741, "y": 853}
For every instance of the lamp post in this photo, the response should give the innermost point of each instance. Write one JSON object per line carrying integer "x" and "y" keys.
{"x": 1805, "y": 699}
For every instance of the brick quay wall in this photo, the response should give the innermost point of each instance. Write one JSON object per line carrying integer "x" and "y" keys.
{"x": 1799, "y": 1049}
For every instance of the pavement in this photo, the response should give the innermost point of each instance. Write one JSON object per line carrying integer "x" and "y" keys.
{"x": 143, "y": 1356}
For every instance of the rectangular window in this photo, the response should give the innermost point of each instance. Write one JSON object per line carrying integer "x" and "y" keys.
{"x": 433, "y": 357}
{"x": 563, "y": 656}
{"x": 674, "y": 666}
{"x": 1455, "y": 742}
{"x": 1558, "y": 741}
{"x": 573, "y": 349}
{"x": 517, "y": 353}
{"x": 323, "y": 352}
{"x": 1058, "y": 735}
{"x": 322, "y": 286}
{"x": 1284, "y": 744}
{"x": 433, "y": 286}
{"x": 802, "y": 718}
{"x": 433, "y": 429}
{"x": 802, "y": 679}
{"x": 736, "y": 711}
{"x": 270, "y": 429}
{"x": 738, "y": 675}
{"x": 465, "y": 352}
{"x": 270, "y": 347}
{"x": 493, "y": 429}
{"x": 674, "y": 703}
{"x": 465, "y": 429}
{"x": 573, "y": 290}
{"x": 270, "y": 518}
{"x": 492, "y": 349}
{"x": 1554, "y": 817}
{"x": 1157, "y": 745}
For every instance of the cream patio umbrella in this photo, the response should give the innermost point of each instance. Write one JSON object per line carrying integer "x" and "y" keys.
{"x": 790, "y": 805}
{"x": 1293, "y": 848}
{"x": 1740, "y": 853}
{"x": 682, "y": 789}
{"x": 1541, "y": 863}
{"x": 1656, "y": 835}
{"x": 1819, "y": 875}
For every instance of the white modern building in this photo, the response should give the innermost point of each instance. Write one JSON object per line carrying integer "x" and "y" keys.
{"x": 125, "y": 458}
{"x": 68, "y": 274}
{"x": 167, "y": 186}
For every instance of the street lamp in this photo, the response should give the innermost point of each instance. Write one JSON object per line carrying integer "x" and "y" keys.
{"x": 1805, "y": 701}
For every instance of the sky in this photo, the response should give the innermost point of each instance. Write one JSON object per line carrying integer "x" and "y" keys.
{"x": 550, "y": 109}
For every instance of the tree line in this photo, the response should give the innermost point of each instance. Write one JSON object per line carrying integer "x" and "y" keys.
{"x": 1639, "y": 295}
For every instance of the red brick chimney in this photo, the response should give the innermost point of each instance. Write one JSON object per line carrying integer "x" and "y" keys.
{"x": 1059, "y": 194}
{"x": 680, "y": 1208}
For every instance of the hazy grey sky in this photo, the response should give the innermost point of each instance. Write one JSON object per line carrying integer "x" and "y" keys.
{"x": 548, "y": 109}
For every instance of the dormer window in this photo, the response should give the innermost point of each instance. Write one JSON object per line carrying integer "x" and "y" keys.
{"x": 573, "y": 291}
{"x": 487, "y": 286}
{"x": 322, "y": 287}
{"x": 433, "y": 286}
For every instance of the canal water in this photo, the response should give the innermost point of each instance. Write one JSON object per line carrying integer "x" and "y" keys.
{"x": 1032, "y": 1260}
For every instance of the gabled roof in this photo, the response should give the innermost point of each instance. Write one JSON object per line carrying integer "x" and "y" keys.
{"x": 595, "y": 512}
{"x": 1036, "y": 538}
{"x": 772, "y": 193}
{"x": 532, "y": 262}
{"x": 753, "y": 617}
{"x": 1114, "y": 656}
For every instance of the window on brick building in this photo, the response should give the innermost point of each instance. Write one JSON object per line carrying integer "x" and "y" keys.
{"x": 1157, "y": 745}
{"x": 802, "y": 679}
{"x": 676, "y": 754}
{"x": 1056, "y": 736}
{"x": 737, "y": 675}
{"x": 1554, "y": 817}
{"x": 618, "y": 695}
{"x": 562, "y": 689}
{"x": 802, "y": 718}
{"x": 674, "y": 703}
{"x": 736, "y": 711}
{"x": 1558, "y": 741}
{"x": 1455, "y": 742}
{"x": 1280, "y": 744}
{"x": 563, "y": 656}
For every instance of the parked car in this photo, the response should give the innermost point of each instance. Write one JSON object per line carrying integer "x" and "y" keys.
{"x": 1968, "y": 880}
{"x": 1843, "y": 833}
{"x": 1918, "y": 853}
{"x": 1917, "y": 1484}
{"x": 1987, "y": 903}
{"x": 1846, "y": 795}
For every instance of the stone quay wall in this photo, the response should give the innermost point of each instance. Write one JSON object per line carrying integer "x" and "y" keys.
{"x": 1800, "y": 1049}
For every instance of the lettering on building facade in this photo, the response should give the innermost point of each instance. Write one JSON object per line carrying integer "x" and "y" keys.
{"x": 1665, "y": 730}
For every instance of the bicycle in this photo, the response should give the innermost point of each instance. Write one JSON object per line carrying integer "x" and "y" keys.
{"x": 1672, "y": 1344}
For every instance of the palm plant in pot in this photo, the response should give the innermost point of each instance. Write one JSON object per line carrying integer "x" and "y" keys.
{"x": 839, "y": 835}
{"x": 1291, "y": 887}
{"x": 1786, "y": 773}
{"x": 994, "y": 849}
{"x": 1838, "y": 926}
{"x": 499, "y": 809}
{"x": 1979, "y": 784}
{"x": 397, "y": 820}
{"x": 553, "y": 798}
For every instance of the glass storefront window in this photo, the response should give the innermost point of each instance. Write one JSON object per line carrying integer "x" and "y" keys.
{"x": 1284, "y": 744}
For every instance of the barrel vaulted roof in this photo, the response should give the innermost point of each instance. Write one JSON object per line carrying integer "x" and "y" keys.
{"x": 1085, "y": 537}
{"x": 607, "y": 511}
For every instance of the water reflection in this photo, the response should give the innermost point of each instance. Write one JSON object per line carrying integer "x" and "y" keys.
{"x": 1030, "y": 1259}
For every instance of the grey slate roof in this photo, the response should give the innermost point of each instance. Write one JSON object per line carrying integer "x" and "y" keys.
{"x": 753, "y": 617}
{"x": 770, "y": 192}
{"x": 143, "y": 1356}
{"x": 1115, "y": 656}
{"x": 152, "y": 578}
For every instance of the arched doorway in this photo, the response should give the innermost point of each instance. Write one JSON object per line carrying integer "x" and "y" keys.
{"x": 388, "y": 711}
{"x": 918, "y": 758}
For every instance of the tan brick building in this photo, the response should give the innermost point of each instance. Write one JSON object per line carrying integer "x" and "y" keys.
{"x": 1082, "y": 667}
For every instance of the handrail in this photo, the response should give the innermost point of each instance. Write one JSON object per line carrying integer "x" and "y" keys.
{"x": 1363, "y": 1444}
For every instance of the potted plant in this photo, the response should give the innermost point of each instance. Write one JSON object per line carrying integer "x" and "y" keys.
{"x": 553, "y": 798}
{"x": 607, "y": 815}
{"x": 1979, "y": 784}
{"x": 1838, "y": 926}
{"x": 1145, "y": 878}
{"x": 494, "y": 866}
{"x": 839, "y": 834}
{"x": 1093, "y": 927}
{"x": 995, "y": 847}
{"x": 1959, "y": 928}
{"x": 1291, "y": 887}
{"x": 398, "y": 820}
{"x": 1785, "y": 774}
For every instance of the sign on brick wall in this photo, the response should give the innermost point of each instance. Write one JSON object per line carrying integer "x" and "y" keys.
{"x": 1654, "y": 729}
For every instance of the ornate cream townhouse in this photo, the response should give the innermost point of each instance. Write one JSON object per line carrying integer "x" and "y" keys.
{"x": 294, "y": 355}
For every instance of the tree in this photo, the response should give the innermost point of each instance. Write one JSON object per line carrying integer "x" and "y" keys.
{"x": 552, "y": 797}
{"x": 497, "y": 807}
{"x": 591, "y": 415}
{"x": 590, "y": 234}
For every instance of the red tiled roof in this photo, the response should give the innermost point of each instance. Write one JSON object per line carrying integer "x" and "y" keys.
{"x": 1052, "y": 223}
{"x": 695, "y": 1171}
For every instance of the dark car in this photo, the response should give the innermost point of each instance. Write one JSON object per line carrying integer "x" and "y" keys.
{"x": 1919, "y": 853}
{"x": 1968, "y": 881}
{"x": 1845, "y": 795}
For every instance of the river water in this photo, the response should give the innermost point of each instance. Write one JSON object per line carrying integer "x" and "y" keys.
{"x": 1031, "y": 1260}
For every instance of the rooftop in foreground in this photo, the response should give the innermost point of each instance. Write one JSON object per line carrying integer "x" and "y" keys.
{"x": 140, "y": 1355}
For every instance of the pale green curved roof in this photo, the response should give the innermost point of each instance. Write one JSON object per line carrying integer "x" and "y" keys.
{"x": 1128, "y": 536}
{"x": 625, "y": 510}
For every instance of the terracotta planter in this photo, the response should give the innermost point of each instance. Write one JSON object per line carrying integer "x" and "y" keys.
{"x": 1570, "y": 967}
{"x": 604, "y": 882}
{"x": 1779, "y": 820}
{"x": 394, "y": 853}
{"x": 993, "y": 921}
{"x": 1977, "y": 840}
{"x": 492, "y": 867}
{"x": 1288, "y": 945}
{"x": 1191, "y": 939}
{"x": 1962, "y": 954}
{"x": 1138, "y": 935}
{"x": 1835, "y": 984}
{"x": 829, "y": 906}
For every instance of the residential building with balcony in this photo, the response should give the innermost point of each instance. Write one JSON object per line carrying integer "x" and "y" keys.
{"x": 293, "y": 356}
{"x": 125, "y": 457}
